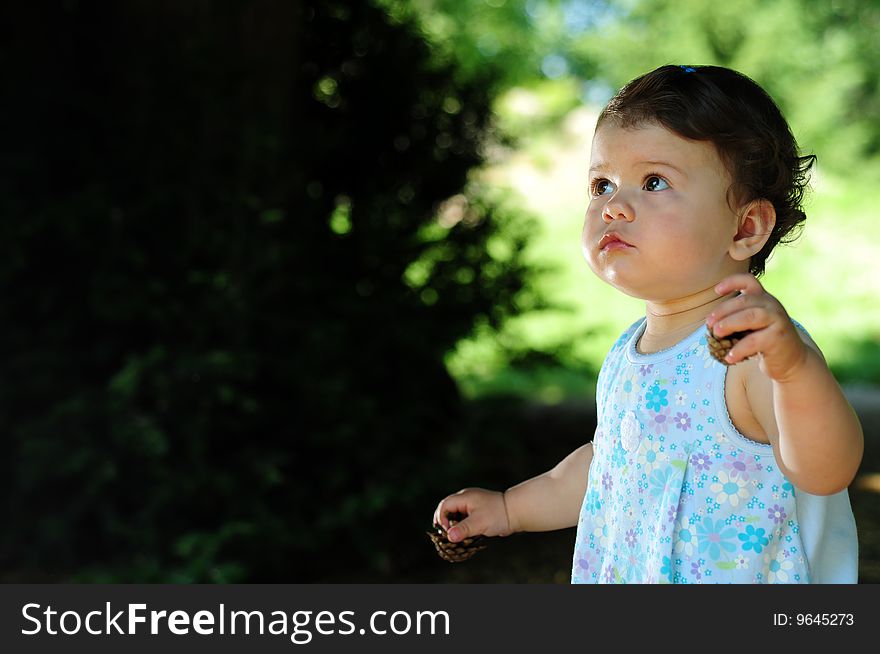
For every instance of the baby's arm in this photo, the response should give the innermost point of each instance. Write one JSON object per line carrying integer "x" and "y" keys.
{"x": 816, "y": 435}
{"x": 551, "y": 500}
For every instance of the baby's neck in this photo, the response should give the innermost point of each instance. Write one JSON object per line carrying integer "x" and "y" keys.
{"x": 669, "y": 322}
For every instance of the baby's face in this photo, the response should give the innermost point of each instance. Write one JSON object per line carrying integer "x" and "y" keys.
{"x": 665, "y": 198}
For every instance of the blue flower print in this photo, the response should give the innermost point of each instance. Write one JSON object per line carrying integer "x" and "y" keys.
{"x": 753, "y": 539}
{"x": 661, "y": 481}
{"x": 652, "y": 456}
{"x": 618, "y": 456}
{"x": 630, "y": 383}
{"x": 685, "y": 543}
{"x": 655, "y": 399}
{"x": 667, "y": 569}
{"x": 634, "y": 569}
{"x": 593, "y": 503}
{"x": 688, "y": 502}
{"x": 715, "y": 536}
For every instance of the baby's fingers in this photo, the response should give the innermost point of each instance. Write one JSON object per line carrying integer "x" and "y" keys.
{"x": 457, "y": 503}
{"x": 462, "y": 530}
{"x": 745, "y": 348}
{"x": 747, "y": 319}
{"x": 744, "y": 282}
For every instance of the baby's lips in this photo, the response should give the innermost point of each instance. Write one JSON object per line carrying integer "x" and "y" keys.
{"x": 611, "y": 237}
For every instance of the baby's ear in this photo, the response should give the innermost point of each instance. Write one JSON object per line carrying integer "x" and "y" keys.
{"x": 756, "y": 222}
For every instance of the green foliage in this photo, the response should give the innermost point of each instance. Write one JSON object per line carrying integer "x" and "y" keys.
{"x": 819, "y": 60}
{"x": 521, "y": 40}
{"x": 229, "y": 280}
{"x": 530, "y": 110}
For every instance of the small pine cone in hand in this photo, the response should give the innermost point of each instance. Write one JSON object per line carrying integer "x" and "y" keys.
{"x": 720, "y": 347}
{"x": 455, "y": 552}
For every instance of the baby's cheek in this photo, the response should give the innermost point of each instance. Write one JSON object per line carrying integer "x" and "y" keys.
{"x": 589, "y": 239}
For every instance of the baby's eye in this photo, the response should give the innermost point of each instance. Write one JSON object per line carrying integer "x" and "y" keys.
{"x": 601, "y": 187}
{"x": 656, "y": 183}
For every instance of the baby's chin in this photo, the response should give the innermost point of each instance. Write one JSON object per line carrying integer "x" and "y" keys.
{"x": 628, "y": 276}
{"x": 614, "y": 277}
{"x": 633, "y": 288}
{"x": 627, "y": 289}
{"x": 637, "y": 293}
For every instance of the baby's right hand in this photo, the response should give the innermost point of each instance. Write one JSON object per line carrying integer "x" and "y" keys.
{"x": 486, "y": 514}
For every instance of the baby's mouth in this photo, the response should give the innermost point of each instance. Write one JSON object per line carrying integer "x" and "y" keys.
{"x": 610, "y": 240}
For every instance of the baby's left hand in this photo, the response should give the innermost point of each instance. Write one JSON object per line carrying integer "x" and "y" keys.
{"x": 774, "y": 337}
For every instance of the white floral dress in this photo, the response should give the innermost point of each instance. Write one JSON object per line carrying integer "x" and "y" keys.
{"x": 677, "y": 495}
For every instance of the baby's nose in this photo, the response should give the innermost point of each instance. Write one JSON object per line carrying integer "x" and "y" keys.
{"x": 617, "y": 211}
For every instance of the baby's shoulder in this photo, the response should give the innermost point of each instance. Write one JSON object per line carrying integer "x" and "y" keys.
{"x": 748, "y": 393}
{"x": 744, "y": 392}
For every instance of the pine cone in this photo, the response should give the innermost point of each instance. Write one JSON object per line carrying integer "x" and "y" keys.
{"x": 455, "y": 552}
{"x": 719, "y": 347}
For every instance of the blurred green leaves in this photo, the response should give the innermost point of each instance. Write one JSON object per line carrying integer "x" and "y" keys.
{"x": 818, "y": 59}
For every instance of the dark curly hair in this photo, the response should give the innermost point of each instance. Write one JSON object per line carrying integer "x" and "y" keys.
{"x": 753, "y": 139}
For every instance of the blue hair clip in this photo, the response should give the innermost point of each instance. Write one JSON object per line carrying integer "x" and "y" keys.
{"x": 688, "y": 69}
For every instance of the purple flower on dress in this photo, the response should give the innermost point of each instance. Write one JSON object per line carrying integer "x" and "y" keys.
{"x": 738, "y": 465}
{"x": 631, "y": 538}
{"x": 661, "y": 421}
{"x": 682, "y": 421}
{"x": 695, "y": 571}
{"x": 607, "y": 481}
{"x": 777, "y": 514}
{"x": 609, "y": 574}
{"x": 588, "y": 563}
{"x": 644, "y": 371}
{"x": 700, "y": 461}
{"x": 672, "y": 514}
